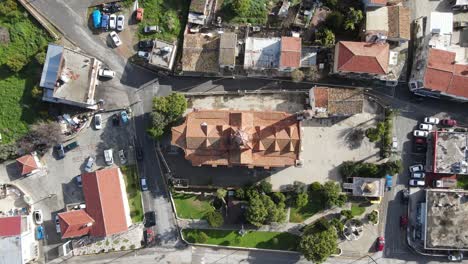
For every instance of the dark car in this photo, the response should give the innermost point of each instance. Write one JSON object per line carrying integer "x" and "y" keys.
{"x": 146, "y": 44}
{"x": 404, "y": 196}
{"x": 448, "y": 122}
{"x": 419, "y": 145}
{"x": 71, "y": 146}
{"x": 60, "y": 151}
{"x": 115, "y": 120}
{"x": 78, "y": 181}
{"x": 150, "y": 219}
{"x": 139, "y": 153}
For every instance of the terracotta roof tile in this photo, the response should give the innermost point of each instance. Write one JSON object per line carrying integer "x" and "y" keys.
{"x": 362, "y": 57}
{"x": 398, "y": 22}
{"x": 10, "y": 226}
{"x": 104, "y": 202}
{"x": 378, "y": 2}
{"x": 290, "y": 52}
{"x": 75, "y": 223}
{"x": 27, "y": 164}
{"x": 321, "y": 97}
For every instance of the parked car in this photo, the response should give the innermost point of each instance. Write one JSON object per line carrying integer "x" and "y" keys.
{"x": 425, "y": 127}
{"x": 60, "y": 151}
{"x": 444, "y": 183}
{"x": 139, "y": 14}
{"x": 420, "y": 133}
{"x": 388, "y": 182}
{"x": 98, "y": 121}
{"x": 420, "y": 141}
{"x": 151, "y": 29}
{"x": 40, "y": 232}
{"x": 143, "y": 54}
{"x": 124, "y": 116}
{"x": 109, "y": 156}
{"x": 139, "y": 153}
{"x": 115, "y": 120}
{"x": 416, "y": 168}
{"x": 37, "y": 216}
{"x": 380, "y": 243}
{"x": 150, "y": 219}
{"x": 71, "y": 146}
{"x": 394, "y": 143}
{"x": 115, "y": 38}
{"x": 89, "y": 164}
{"x": 431, "y": 120}
{"x": 455, "y": 257}
{"x": 105, "y": 22}
{"x": 57, "y": 224}
{"x": 448, "y": 122}
{"x": 112, "y": 21}
{"x": 144, "y": 186}
{"x": 106, "y": 73}
{"x": 416, "y": 182}
{"x": 96, "y": 18}
{"x": 123, "y": 159}
{"x": 120, "y": 22}
{"x": 78, "y": 181}
{"x": 404, "y": 196}
{"x": 146, "y": 44}
{"x": 403, "y": 221}
{"x": 418, "y": 175}
{"x": 148, "y": 236}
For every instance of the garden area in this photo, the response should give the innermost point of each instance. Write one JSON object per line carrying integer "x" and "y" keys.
{"x": 132, "y": 187}
{"x": 23, "y": 45}
{"x": 251, "y": 239}
{"x": 254, "y": 12}
{"x": 192, "y": 206}
{"x": 462, "y": 182}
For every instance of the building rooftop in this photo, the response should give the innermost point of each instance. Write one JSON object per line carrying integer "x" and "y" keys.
{"x": 362, "y": 57}
{"x": 75, "y": 223}
{"x": 27, "y": 164}
{"x": 441, "y": 23}
{"x": 200, "y": 53}
{"x": 391, "y": 21}
{"x": 328, "y": 102}
{"x": 367, "y": 187}
{"x": 378, "y": 2}
{"x": 198, "y": 6}
{"x": 17, "y": 241}
{"x": 308, "y": 56}
{"x": 446, "y": 219}
{"x": 290, "y": 52}
{"x": 262, "y": 53}
{"x": 450, "y": 152}
{"x": 227, "y": 49}
{"x": 106, "y": 201}
{"x": 239, "y": 138}
{"x": 10, "y": 226}
{"x": 163, "y": 54}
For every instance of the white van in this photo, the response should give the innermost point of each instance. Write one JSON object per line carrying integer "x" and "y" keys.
{"x": 109, "y": 156}
{"x": 106, "y": 73}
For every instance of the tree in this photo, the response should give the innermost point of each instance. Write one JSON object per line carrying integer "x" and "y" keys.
{"x": 40, "y": 57}
{"x": 302, "y": 199}
{"x": 315, "y": 187}
{"x": 347, "y": 169}
{"x": 318, "y": 246}
{"x": 297, "y": 75}
{"x": 240, "y": 194}
{"x": 278, "y": 197}
{"x": 367, "y": 169}
{"x": 331, "y": 192}
{"x": 353, "y": 18}
{"x": 16, "y": 62}
{"x": 241, "y": 7}
{"x": 265, "y": 187}
{"x": 391, "y": 167}
{"x": 221, "y": 193}
{"x": 215, "y": 219}
{"x": 334, "y": 21}
{"x": 311, "y": 74}
{"x": 171, "y": 106}
{"x": 372, "y": 217}
{"x": 299, "y": 187}
{"x": 331, "y": 3}
{"x": 325, "y": 37}
{"x": 158, "y": 124}
{"x": 339, "y": 226}
{"x": 8, "y": 151}
{"x": 256, "y": 213}
{"x": 342, "y": 198}
{"x": 202, "y": 237}
{"x": 348, "y": 214}
{"x": 41, "y": 136}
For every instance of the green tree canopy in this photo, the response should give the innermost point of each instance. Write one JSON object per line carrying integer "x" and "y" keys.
{"x": 302, "y": 199}
{"x": 278, "y": 197}
{"x": 215, "y": 219}
{"x": 256, "y": 213}
{"x": 334, "y": 21}
{"x": 325, "y": 37}
{"x": 171, "y": 106}
{"x": 265, "y": 187}
{"x": 331, "y": 192}
{"x": 158, "y": 124}
{"x": 318, "y": 246}
{"x": 353, "y": 18}
{"x": 241, "y": 7}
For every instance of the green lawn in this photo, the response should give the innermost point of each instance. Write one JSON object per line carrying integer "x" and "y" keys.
{"x": 252, "y": 239}
{"x": 133, "y": 192}
{"x": 462, "y": 182}
{"x": 191, "y": 206}
{"x": 298, "y": 215}
{"x": 257, "y": 13}
{"x": 170, "y": 16}
{"x": 356, "y": 210}
{"x": 20, "y": 104}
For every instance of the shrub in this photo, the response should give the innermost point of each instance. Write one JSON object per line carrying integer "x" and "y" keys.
{"x": 325, "y": 37}
{"x": 299, "y": 187}
{"x": 215, "y": 219}
{"x": 297, "y": 75}
{"x": 315, "y": 187}
{"x": 265, "y": 187}
{"x": 278, "y": 197}
{"x": 202, "y": 237}
{"x": 337, "y": 224}
{"x": 240, "y": 194}
{"x": 348, "y": 214}
{"x": 372, "y": 217}
{"x": 8, "y": 151}
{"x": 334, "y": 21}
{"x": 302, "y": 199}
{"x": 275, "y": 241}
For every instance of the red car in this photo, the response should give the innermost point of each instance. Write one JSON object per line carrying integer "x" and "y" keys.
{"x": 403, "y": 221}
{"x": 380, "y": 243}
{"x": 139, "y": 14}
{"x": 448, "y": 122}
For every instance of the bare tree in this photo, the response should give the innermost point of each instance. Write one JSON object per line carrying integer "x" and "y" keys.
{"x": 41, "y": 136}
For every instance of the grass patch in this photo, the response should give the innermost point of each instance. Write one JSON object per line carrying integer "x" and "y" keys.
{"x": 19, "y": 71}
{"x": 252, "y": 239}
{"x": 257, "y": 14}
{"x": 133, "y": 192}
{"x": 357, "y": 210}
{"x": 170, "y": 16}
{"x": 299, "y": 214}
{"x": 191, "y": 206}
{"x": 462, "y": 182}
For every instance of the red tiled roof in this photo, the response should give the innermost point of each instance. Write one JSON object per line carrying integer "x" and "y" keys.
{"x": 321, "y": 97}
{"x": 290, "y": 52}
{"x": 10, "y": 226}
{"x": 442, "y": 74}
{"x": 75, "y": 223}
{"x": 362, "y": 57}
{"x": 26, "y": 164}
{"x": 378, "y": 2}
{"x": 104, "y": 202}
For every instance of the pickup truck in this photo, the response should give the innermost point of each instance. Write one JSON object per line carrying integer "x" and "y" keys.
{"x": 444, "y": 183}
{"x": 71, "y": 146}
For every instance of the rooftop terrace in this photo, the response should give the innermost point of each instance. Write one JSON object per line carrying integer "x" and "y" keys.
{"x": 451, "y": 152}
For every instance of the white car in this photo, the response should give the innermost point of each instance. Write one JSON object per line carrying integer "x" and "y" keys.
{"x": 420, "y": 133}
{"x": 112, "y": 21}
{"x": 143, "y": 54}
{"x": 416, "y": 168}
{"x": 106, "y": 73}
{"x": 37, "y": 215}
{"x": 394, "y": 143}
{"x": 418, "y": 175}
{"x": 89, "y": 164}
{"x": 109, "y": 156}
{"x": 431, "y": 120}
{"x": 98, "y": 121}
{"x": 416, "y": 183}
{"x": 57, "y": 224}
{"x": 120, "y": 22}
{"x": 144, "y": 186}
{"x": 122, "y": 158}
{"x": 427, "y": 127}
{"x": 115, "y": 38}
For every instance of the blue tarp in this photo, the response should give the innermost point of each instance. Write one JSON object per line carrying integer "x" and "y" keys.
{"x": 97, "y": 18}
{"x": 388, "y": 181}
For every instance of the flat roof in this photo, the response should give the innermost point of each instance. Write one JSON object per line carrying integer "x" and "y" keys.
{"x": 451, "y": 152}
{"x": 200, "y": 53}
{"x": 262, "y": 53}
{"x": 446, "y": 219}
{"x": 377, "y": 19}
{"x": 227, "y": 49}
{"x": 10, "y": 250}
{"x": 163, "y": 54}
{"x": 441, "y": 23}
{"x": 368, "y": 187}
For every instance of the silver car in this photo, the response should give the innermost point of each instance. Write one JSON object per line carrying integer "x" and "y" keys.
{"x": 115, "y": 38}
{"x": 89, "y": 164}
